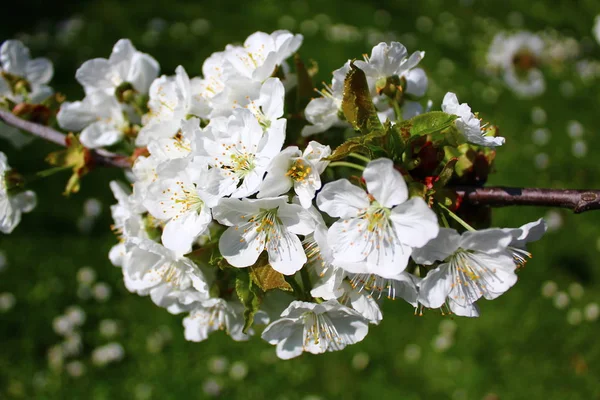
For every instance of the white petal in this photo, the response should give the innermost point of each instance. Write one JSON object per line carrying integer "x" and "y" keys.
{"x": 414, "y": 222}
{"x": 100, "y": 134}
{"x": 39, "y": 71}
{"x": 342, "y": 199}
{"x": 144, "y": 69}
{"x": 487, "y": 240}
{"x": 445, "y": 243}
{"x": 241, "y": 250}
{"x": 286, "y": 254}
{"x": 435, "y": 287}
{"x": 347, "y": 242}
{"x": 14, "y": 57}
{"x": 95, "y": 74}
{"x": 385, "y": 183}
{"x": 469, "y": 310}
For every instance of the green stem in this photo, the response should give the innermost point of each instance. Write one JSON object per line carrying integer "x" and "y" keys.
{"x": 360, "y": 157}
{"x": 346, "y": 164}
{"x": 457, "y": 218}
{"x": 294, "y": 284}
{"x": 48, "y": 172}
{"x": 306, "y": 282}
{"x": 445, "y": 220}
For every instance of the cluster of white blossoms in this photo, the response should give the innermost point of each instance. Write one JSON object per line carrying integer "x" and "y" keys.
{"x": 12, "y": 204}
{"x": 240, "y": 225}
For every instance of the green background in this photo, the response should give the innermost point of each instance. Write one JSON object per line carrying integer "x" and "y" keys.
{"x": 523, "y": 346}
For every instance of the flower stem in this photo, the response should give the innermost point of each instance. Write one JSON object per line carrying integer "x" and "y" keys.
{"x": 346, "y": 164}
{"x": 306, "y": 282}
{"x": 360, "y": 157}
{"x": 457, "y": 218}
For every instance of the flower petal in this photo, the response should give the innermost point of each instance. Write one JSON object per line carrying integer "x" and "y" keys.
{"x": 385, "y": 183}
{"x": 342, "y": 199}
{"x": 414, "y": 222}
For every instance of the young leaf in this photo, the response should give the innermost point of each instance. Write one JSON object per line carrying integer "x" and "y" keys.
{"x": 266, "y": 278}
{"x": 430, "y": 122}
{"x": 357, "y": 105}
{"x": 249, "y": 296}
{"x": 75, "y": 156}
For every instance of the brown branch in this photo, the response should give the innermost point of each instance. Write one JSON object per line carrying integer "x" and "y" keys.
{"x": 100, "y": 156}
{"x": 576, "y": 200}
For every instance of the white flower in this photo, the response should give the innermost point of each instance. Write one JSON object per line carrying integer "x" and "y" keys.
{"x": 392, "y": 60}
{"x": 263, "y": 224}
{"x": 292, "y": 168}
{"x": 173, "y": 282}
{"x": 468, "y": 123}
{"x": 238, "y": 153}
{"x": 315, "y": 328}
{"x": 125, "y": 65}
{"x": 475, "y": 264}
{"x": 216, "y": 314}
{"x": 16, "y": 61}
{"x": 404, "y": 285}
{"x": 518, "y": 56}
{"x": 177, "y": 197}
{"x": 377, "y": 231}
{"x": 260, "y": 54}
{"x": 530, "y": 232}
{"x": 12, "y": 205}
{"x": 171, "y": 100}
{"x": 99, "y": 117}
{"x": 323, "y": 112}
{"x": 127, "y": 219}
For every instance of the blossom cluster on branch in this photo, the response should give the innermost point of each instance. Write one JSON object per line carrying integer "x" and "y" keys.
{"x": 256, "y": 206}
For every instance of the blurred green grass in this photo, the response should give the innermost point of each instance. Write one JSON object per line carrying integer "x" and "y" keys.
{"x": 522, "y": 347}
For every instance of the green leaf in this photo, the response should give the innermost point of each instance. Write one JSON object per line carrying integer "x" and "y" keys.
{"x": 357, "y": 104}
{"x": 75, "y": 156}
{"x": 249, "y": 296}
{"x": 446, "y": 174}
{"x": 430, "y": 123}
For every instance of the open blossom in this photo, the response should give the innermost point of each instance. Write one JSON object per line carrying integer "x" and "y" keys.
{"x": 468, "y": 123}
{"x": 518, "y": 57}
{"x": 260, "y": 54}
{"x": 99, "y": 117}
{"x": 12, "y": 205}
{"x": 263, "y": 224}
{"x": 16, "y": 64}
{"x": 171, "y": 100}
{"x": 179, "y": 199}
{"x": 377, "y": 230}
{"x": 323, "y": 112}
{"x": 315, "y": 328}
{"x": 391, "y": 61}
{"x": 125, "y": 65}
{"x": 300, "y": 170}
{"x": 238, "y": 152}
{"x": 475, "y": 264}
{"x": 215, "y": 314}
{"x": 172, "y": 281}
{"x": 128, "y": 222}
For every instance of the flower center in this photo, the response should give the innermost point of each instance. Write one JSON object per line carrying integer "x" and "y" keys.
{"x": 299, "y": 171}
{"x": 318, "y": 327}
{"x": 242, "y": 163}
{"x": 524, "y": 60}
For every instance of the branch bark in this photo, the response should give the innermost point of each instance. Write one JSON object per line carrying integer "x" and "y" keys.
{"x": 100, "y": 156}
{"x": 576, "y": 200}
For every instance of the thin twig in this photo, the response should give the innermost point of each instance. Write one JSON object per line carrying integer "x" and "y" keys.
{"x": 100, "y": 156}
{"x": 576, "y": 200}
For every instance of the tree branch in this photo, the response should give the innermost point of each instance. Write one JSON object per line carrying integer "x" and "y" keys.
{"x": 576, "y": 200}
{"x": 100, "y": 156}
